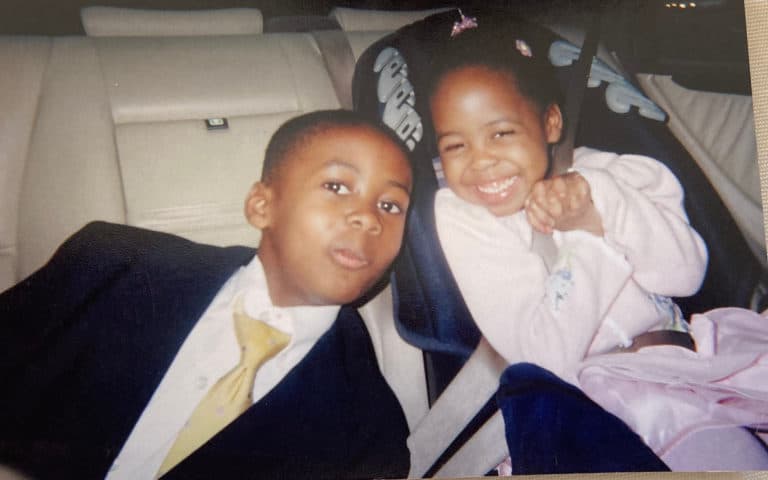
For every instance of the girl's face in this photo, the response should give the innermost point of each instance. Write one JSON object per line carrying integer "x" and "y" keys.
{"x": 492, "y": 140}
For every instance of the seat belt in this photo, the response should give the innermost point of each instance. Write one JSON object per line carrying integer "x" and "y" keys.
{"x": 467, "y": 408}
{"x": 434, "y": 440}
{"x": 339, "y": 61}
{"x": 562, "y": 159}
{"x": 577, "y": 86}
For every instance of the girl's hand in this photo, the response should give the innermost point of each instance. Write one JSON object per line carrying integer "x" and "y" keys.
{"x": 563, "y": 203}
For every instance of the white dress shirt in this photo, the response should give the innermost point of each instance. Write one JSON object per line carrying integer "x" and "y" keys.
{"x": 208, "y": 353}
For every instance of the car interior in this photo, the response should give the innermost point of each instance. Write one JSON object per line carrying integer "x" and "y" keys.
{"x": 157, "y": 116}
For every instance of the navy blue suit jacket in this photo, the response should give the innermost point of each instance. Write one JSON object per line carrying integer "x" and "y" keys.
{"x": 85, "y": 341}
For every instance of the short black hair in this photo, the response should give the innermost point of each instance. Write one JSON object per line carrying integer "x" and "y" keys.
{"x": 506, "y": 45}
{"x": 299, "y": 130}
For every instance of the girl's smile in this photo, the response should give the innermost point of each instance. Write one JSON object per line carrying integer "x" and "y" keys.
{"x": 497, "y": 190}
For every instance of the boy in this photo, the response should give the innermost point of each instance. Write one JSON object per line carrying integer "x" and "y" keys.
{"x": 111, "y": 350}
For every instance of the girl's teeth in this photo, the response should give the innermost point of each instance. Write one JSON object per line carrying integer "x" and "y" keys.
{"x": 497, "y": 187}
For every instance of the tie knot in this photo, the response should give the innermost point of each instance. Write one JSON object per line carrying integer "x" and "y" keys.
{"x": 258, "y": 340}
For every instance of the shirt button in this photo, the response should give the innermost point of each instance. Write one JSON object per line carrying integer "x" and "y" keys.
{"x": 201, "y": 382}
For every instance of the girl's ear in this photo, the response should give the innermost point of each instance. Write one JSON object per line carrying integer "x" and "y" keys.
{"x": 553, "y": 123}
{"x": 258, "y": 205}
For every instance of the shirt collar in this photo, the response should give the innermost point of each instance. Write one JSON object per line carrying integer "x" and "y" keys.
{"x": 303, "y": 323}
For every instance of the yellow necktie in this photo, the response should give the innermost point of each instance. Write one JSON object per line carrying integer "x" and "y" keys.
{"x": 231, "y": 395}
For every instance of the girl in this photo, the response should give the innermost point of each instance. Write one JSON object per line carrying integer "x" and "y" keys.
{"x": 624, "y": 246}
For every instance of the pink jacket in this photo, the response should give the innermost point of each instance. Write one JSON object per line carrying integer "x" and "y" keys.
{"x": 602, "y": 292}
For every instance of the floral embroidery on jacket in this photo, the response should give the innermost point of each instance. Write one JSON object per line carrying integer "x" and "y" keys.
{"x": 559, "y": 284}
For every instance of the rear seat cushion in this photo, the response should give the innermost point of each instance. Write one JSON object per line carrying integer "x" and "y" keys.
{"x": 71, "y": 175}
{"x": 718, "y": 130}
{"x": 178, "y": 176}
{"x": 20, "y": 93}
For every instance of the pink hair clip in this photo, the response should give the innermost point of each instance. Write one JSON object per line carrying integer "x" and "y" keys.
{"x": 464, "y": 24}
{"x": 523, "y": 48}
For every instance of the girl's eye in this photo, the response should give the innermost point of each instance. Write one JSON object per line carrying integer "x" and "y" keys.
{"x": 451, "y": 147}
{"x": 337, "y": 188}
{"x": 390, "y": 207}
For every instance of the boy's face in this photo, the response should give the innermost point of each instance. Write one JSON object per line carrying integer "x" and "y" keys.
{"x": 492, "y": 140}
{"x": 332, "y": 217}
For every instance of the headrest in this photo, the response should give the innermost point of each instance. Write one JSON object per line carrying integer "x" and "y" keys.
{"x": 355, "y": 20}
{"x": 129, "y": 22}
{"x": 300, "y": 23}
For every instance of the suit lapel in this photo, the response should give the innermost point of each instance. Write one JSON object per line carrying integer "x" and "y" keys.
{"x": 75, "y": 397}
{"x": 181, "y": 279}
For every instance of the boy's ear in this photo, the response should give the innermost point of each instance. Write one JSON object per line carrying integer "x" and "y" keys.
{"x": 257, "y": 205}
{"x": 553, "y": 123}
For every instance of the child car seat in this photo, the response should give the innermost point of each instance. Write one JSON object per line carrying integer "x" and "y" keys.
{"x": 389, "y": 84}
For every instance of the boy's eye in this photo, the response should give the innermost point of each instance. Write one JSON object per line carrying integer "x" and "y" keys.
{"x": 503, "y": 133}
{"x": 337, "y": 188}
{"x": 390, "y": 207}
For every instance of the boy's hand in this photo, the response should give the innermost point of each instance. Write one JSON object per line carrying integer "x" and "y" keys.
{"x": 563, "y": 203}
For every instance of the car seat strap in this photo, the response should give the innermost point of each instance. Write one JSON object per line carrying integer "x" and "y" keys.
{"x": 562, "y": 159}
{"x": 577, "y": 85}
